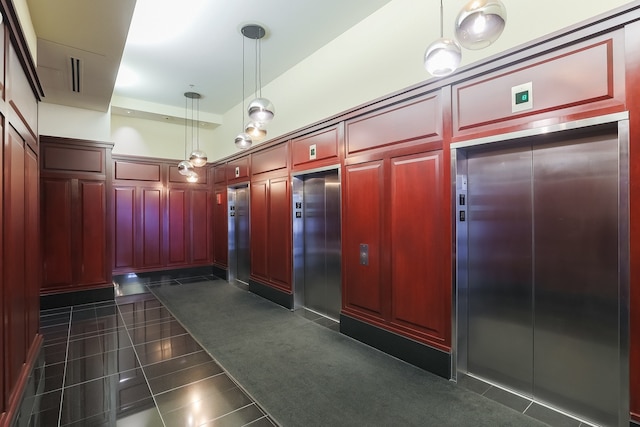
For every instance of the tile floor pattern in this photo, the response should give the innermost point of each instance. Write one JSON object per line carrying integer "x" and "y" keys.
{"x": 130, "y": 363}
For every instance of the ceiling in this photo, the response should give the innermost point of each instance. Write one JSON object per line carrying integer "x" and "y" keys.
{"x": 160, "y": 49}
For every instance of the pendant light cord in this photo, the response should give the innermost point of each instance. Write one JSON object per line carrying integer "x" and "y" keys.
{"x": 242, "y": 111}
{"x": 441, "y": 20}
{"x": 186, "y": 111}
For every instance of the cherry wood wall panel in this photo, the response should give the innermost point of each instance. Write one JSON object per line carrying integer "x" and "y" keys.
{"x": 220, "y": 174}
{"x": 151, "y": 229}
{"x": 3, "y": 288}
{"x": 56, "y": 197}
{"x": 418, "y": 261}
{"x": 238, "y": 170}
{"x": 362, "y": 224}
{"x": 20, "y": 97}
{"x": 259, "y": 222}
{"x": 417, "y": 120}
{"x": 177, "y": 226}
{"x": 124, "y": 226}
{"x": 14, "y": 260}
{"x": 136, "y": 171}
{"x": 32, "y": 244}
{"x": 200, "y": 226}
{"x": 279, "y": 233}
{"x": 632, "y": 43}
{"x": 270, "y": 159}
{"x": 93, "y": 239}
{"x": 559, "y": 82}
{"x": 326, "y": 149}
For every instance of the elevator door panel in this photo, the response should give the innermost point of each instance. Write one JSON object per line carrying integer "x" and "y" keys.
{"x": 242, "y": 234}
{"x": 500, "y": 298}
{"x": 322, "y": 290}
{"x": 576, "y": 276}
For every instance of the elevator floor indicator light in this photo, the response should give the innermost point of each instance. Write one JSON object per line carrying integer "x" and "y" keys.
{"x": 522, "y": 97}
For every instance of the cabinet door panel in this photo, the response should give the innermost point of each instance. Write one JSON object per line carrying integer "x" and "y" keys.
{"x": 200, "y": 226}
{"x": 259, "y": 223}
{"x": 220, "y": 227}
{"x": 124, "y": 202}
{"x": 32, "y": 241}
{"x": 363, "y": 226}
{"x": 56, "y": 232}
{"x": 417, "y": 259}
{"x": 151, "y": 227}
{"x": 93, "y": 232}
{"x": 176, "y": 224}
{"x": 279, "y": 232}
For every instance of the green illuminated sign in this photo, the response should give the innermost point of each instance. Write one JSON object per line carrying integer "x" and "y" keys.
{"x": 522, "y": 97}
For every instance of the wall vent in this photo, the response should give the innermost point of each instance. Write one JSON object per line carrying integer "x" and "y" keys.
{"x": 75, "y": 74}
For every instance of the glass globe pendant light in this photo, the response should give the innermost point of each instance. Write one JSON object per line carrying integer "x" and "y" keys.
{"x": 185, "y": 167}
{"x": 480, "y": 23}
{"x": 260, "y": 110}
{"x": 256, "y": 131}
{"x": 198, "y": 158}
{"x": 443, "y": 56}
{"x": 192, "y": 177}
{"x": 243, "y": 141}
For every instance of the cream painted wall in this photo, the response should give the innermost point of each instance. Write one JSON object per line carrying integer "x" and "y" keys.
{"x": 22, "y": 9}
{"x": 384, "y": 54}
{"x": 60, "y": 120}
{"x": 148, "y": 138}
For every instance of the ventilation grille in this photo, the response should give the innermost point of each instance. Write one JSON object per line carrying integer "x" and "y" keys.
{"x": 75, "y": 74}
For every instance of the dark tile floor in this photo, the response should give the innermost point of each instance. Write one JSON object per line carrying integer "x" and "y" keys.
{"x": 128, "y": 362}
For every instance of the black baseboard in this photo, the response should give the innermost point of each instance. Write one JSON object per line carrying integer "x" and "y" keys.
{"x": 272, "y": 294}
{"x": 418, "y": 354}
{"x": 634, "y": 424}
{"x": 177, "y": 273}
{"x": 66, "y": 299}
{"x": 220, "y": 272}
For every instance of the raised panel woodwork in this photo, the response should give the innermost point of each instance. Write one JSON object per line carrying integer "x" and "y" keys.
{"x": 279, "y": 245}
{"x": 20, "y": 95}
{"x": 200, "y": 226}
{"x": 259, "y": 206}
{"x": 238, "y": 169}
{"x": 220, "y": 174}
{"x": 177, "y": 223}
{"x": 220, "y": 227}
{"x": 136, "y": 171}
{"x": 632, "y": 43}
{"x": 3, "y": 354}
{"x": 151, "y": 227}
{"x": 270, "y": 159}
{"x": 124, "y": 206}
{"x": 14, "y": 260}
{"x": 32, "y": 245}
{"x": 326, "y": 144}
{"x": 559, "y": 81}
{"x": 56, "y": 231}
{"x": 93, "y": 232}
{"x": 362, "y": 224}
{"x": 56, "y": 158}
{"x": 418, "y": 119}
{"x": 417, "y": 258}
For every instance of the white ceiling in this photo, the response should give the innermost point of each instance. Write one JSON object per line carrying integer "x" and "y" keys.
{"x": 172, "y": 45}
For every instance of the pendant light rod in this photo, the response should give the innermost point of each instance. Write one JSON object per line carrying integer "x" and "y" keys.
{"x": 441, "y": 20}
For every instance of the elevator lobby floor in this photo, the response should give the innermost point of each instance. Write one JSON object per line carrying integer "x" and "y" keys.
{"x": 130, "y": 362}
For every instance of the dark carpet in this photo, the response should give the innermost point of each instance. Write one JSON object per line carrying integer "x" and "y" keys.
{"x": 305, "y": 374}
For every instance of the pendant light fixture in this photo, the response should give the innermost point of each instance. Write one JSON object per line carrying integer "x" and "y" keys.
{"x": 198, "y": 158}
{"x": 480, "y": 23}
{"x": 243, "y": 139}
{"x": 443, "y": 56}
{"x": 260, "y": 110}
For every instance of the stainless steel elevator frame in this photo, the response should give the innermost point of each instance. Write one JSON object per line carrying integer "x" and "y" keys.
{"x": 298, "y": 244}
{"x": 460, "y": 297}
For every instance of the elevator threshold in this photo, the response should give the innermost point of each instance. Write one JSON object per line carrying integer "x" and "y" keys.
{"x": 518, "y": 401}
{"x": 317, "y": 317}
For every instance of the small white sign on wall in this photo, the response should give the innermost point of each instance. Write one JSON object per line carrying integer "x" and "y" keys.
{"x": 312, "y": 152}
{"x": 237, "y": 171}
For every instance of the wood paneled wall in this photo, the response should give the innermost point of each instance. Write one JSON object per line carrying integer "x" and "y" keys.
{"x": 75, "y": 194}
{"x": 20, "y": 259}
{"x": 396, "y": 171}
{"x": 161, "y": 221}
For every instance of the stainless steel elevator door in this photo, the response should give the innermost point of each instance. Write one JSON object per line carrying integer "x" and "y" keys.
{"x": 500, "y": 346}
{"x": 576, "y": 350}
{"x": 543, "y": 259}
{"x": 238, "y": 239}
{"x": 321, "y": 215}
